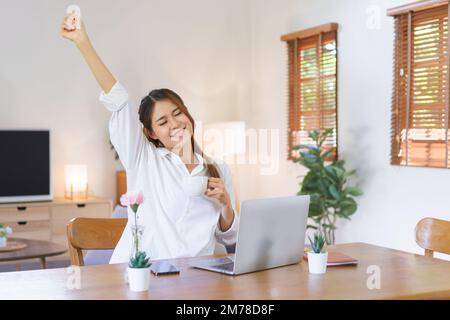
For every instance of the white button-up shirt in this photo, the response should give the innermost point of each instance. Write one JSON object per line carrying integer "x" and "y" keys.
{"x": 175, "y": 224}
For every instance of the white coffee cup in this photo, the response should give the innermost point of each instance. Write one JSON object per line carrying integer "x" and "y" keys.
{"x": 195, "y": 186}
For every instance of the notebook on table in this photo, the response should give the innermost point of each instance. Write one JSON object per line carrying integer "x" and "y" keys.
{"x": 337, "y": 259}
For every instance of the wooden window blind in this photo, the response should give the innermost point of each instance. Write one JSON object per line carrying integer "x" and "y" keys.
{"x": 312, "y": 86}
{"x": 420, "y": 100}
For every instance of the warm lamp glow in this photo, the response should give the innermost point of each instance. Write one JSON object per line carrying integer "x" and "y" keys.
{"x": 76, "y": 181}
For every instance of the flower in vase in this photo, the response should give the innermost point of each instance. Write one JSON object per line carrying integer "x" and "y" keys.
{"x": 5, "y": 231}
{"x": 134, "y": 200}
{"x": 138, "y": 258}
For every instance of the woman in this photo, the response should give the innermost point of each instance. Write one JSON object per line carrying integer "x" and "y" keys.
{"x": 158, "y": 156}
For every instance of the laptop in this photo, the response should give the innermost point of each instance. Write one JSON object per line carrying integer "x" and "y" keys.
{"x": 271, "y": 234}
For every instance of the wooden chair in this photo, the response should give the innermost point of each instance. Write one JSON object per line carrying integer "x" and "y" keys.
{"x": 433, "y": 235}
{"x": 92, "y": 234}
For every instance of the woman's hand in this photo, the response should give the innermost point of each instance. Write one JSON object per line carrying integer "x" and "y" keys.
{"x": 79, "y": 36}
{"x": 216, "y": 189}
{"x": 69, "y": 31}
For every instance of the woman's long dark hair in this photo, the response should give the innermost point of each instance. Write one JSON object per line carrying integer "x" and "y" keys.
{"x": 145, "y": 116}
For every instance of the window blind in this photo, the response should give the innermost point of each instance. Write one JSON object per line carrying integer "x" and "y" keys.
{"x": 420, "y": 100}
{"x": 312, "y": 96}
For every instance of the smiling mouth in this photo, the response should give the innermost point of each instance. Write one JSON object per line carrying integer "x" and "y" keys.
{"x": 177, "y": 132}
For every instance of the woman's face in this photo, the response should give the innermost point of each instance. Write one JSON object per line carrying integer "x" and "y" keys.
{"x": 170, "y": 125}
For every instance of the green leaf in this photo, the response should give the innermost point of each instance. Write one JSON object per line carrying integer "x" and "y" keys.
{"x": 339, "y": 171}
{"x": 314, "y": 210}
{"x": 318, "y": 242}
{"x": 347, "y": 207}
{"x": 354, "y": 191}
{"x": 315, "y": 206}
{"x": 304, "y": 146}
{"x": 331, "y": 173}
{"x": 333, "y": 191}
{"x": 350, "y": 173}
{"x": 331, "y": 203}
{"x": 134, "y": 207}
{"x": 314, "y": 135}
{"x": 327, "y": 153}
{"x": 338, "y": 163}
{"x": 328, "y": 131}
{"x": 139, "y": 260}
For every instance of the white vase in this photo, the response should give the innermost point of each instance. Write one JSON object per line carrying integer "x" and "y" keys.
{"x": 138, "y": 279}
{"x": 3, "y": 241}
{"x": 317, "y": 262}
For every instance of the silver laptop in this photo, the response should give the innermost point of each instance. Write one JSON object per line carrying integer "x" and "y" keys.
{"x": 271, "y": 234}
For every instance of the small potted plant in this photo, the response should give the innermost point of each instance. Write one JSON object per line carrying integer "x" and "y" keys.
{"x": 317, "y": 257}
{"x": 139, "y": 265}
{"x": 4, "y": 233}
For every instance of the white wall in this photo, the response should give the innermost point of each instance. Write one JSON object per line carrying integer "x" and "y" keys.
{"x": 395, "y": 198}
{"x": 192, "y": 47}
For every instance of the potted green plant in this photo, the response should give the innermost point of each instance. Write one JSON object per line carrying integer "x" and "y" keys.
{"x": 317, "y": 257}
{"x": 139, "y": 264}
{"x": 4, "y": 233}
{"x": 327, "y": 184}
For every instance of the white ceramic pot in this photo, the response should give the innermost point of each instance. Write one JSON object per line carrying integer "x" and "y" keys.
{"x": 317, "y": 262}
{"x": 3, "y": 241}
{"x": 138, "y": 279}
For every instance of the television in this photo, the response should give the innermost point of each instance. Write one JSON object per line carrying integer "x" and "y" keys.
{"x": 25, "y": 171}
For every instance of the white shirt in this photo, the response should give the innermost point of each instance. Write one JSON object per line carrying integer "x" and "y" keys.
{"x": 175, "y": 225}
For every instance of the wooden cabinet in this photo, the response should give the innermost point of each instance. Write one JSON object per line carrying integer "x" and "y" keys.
{"x": 62, "y": 213}
{"x": 47, "y": 220}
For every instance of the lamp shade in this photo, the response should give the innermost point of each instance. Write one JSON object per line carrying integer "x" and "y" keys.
{"x": 76, "y": 178}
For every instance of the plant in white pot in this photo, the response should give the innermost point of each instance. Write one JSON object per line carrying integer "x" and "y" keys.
{"x": 4, "y": 233}
{"x": 317, "y": 257}
{"x": 139, "y": 265}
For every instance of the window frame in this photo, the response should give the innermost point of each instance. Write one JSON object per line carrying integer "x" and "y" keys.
{"x": 408, "y": 141}
{"x": 293, "y": 41}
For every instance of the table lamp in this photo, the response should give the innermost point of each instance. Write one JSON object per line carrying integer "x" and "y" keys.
{"x": 76, "y": 182}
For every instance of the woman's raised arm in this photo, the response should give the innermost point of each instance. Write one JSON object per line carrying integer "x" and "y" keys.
{"x": 124, "y": 127}
{"x": 79, "y": 36}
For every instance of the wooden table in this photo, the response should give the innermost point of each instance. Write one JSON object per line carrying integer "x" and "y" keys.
{"x": 403, "y": 276}
{"x": 35, "y": 249}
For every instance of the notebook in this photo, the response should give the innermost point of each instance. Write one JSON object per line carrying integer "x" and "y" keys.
{"x": 337, "y": 259}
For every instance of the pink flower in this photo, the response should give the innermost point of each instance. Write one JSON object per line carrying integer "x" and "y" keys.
{"x": 130, "y": 198}
{"x": 124, "y": 200}
{"x": 139, "y": 198}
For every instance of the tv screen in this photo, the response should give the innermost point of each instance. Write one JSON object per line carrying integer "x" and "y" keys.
{"x": 25, "y": 165}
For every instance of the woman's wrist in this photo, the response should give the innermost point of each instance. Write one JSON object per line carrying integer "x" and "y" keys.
{"x": 83, "y": 44}
{"x": 226, "y": 218}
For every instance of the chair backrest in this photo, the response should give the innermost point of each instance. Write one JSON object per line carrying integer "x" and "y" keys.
{"x": 433, "y": 235}
{"x": 92, "y": 234}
